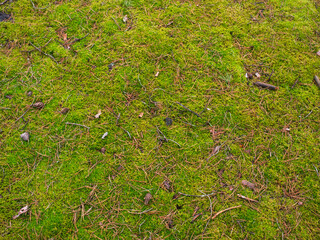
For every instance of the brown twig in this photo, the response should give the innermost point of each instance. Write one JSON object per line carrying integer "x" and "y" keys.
{"x": 246, "y": 198}
{"x": 4, "y": 2}
{"x": 222, "y": 211}
{"x": 116, "y": 23}
{"x": 46, "y": 54}
{"x": 266, "y": 85}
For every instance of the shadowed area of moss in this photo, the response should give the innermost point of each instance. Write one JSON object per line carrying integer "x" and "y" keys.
{"x": 183, "y": 60}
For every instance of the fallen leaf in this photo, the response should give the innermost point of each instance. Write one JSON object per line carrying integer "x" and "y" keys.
{"x": 318, "y": 53}
{"x": 166, "y": 185}
{"x": 29, "y": 93}
{"x": 98, "y": 114}
{"x": 257, "y": 75}
{"x": 9, "y": 97}
{"x": 141, "y": 115}
{"x": 157, "y": 74}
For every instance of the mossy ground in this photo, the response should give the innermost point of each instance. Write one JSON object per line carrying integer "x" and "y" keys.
{"x": 202, "y": 51}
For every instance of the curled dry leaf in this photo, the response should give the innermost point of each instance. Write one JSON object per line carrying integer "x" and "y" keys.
{"x": 98, "y": 114}
{"x": 22, "y": 211}
{"x": 248, "y": 184}
{"x": 38, "y": 105}
{"x": 147, "y": 198}
{"x": 25, "y": 136}
{"x": 141, "y": 115}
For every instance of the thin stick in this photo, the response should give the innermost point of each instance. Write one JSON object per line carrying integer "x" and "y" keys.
{"x": 34, "y": 6}
{"x": 78, "y": 39}
{"x": 222, "y": 211}
{"x": 189, "y": 110}
{"x": 4, "y": 2}
{"x": 167, "y": 139}
{"x": 116, "y": 23}
{"x": 246, "y": 198}
{"x": 266, "y": 85}
{"x": 190, "y": 195}
{"x": 27, "y": 110}
{"x": 76, "y": 124}
{"x": 39, "y": 47}
{"x": 46, "y": 54}
{"x": 139, "y": 213}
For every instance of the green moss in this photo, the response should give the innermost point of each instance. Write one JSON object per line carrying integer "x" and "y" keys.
{"x": 201, "y": 51}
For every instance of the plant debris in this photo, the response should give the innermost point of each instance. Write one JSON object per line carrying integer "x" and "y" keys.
{"x": 249, "y": 76}
{"x": 64, "y": 111}
{"x": 4, "y": 16}
{"x": 248, "y": 184}
{"x": 29, "y": 93}
{"x": 110, "y": 66}
{"x": 317, "y": 80}
{"x": 147, "y": 198}
{"x": 98, "y": 114}
{"x": 141, "y": 115}
{"x": 125, "y": 19}
{"x": 166, "y": 185}
{"x": 9, "y": 97}
{"x": 168, "y": 121}
{"x": 266, "y": 85}
{"x": 104, "y": 135}
{"x": 38, "y": 105}
{"x": 22, "y": 211}
{"x": 25, "y": 136}
{"x": 103, "y": 150}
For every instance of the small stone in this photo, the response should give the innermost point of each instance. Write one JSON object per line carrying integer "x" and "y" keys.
{"x": 29, "y": 93}
{"x": 38, "y": 105}
{"x": 64, "y": 111}
{"x": 25, "y": 136}
{"x": 147, "y": 198}
{"x": 168, "y": 121}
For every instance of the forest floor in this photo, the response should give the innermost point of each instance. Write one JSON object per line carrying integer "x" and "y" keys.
{"x": 125, "y": 98}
